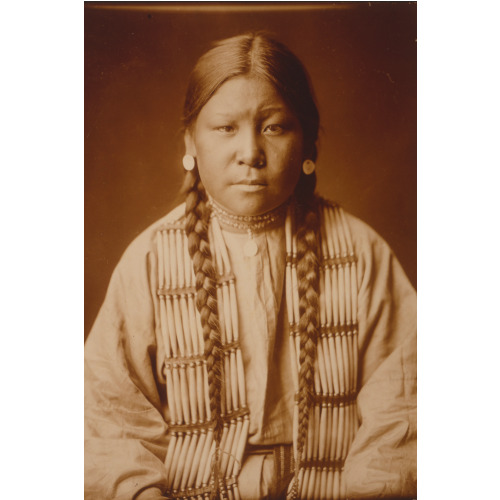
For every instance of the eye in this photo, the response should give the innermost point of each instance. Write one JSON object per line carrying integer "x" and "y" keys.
{"x": 225, "y": 129}
{"x": 273, "y": 129}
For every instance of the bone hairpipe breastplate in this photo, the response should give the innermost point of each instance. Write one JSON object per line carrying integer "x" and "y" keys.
{"x": 333, "y": 418}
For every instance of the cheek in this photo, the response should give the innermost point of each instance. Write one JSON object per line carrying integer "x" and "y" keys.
{"x": 211, "y": 179}
{"x": 289, "y": 180}
{"x": 206, "y": 158}
{"x": 212, "y": 155}
{"x": 288, "y": 164}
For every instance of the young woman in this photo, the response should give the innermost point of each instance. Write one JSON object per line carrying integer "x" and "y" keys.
{"x": 258, "y": 341}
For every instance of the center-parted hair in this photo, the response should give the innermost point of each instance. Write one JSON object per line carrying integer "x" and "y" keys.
{"x": 256, "y": 55}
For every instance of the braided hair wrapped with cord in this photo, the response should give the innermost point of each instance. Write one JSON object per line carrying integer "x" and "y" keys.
{"x": 197, "y": 217}
{"x": 256, "y": 54}
{"x": 308, "y": 223}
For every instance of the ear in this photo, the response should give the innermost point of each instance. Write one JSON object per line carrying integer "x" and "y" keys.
{"x": 189, "y": 143}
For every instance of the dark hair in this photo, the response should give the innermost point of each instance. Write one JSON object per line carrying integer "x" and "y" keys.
{"x": 260, "y": 55}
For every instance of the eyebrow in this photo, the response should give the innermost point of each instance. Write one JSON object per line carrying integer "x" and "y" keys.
{"x": 274, "y": 109}
{"x": 265, "y": 109}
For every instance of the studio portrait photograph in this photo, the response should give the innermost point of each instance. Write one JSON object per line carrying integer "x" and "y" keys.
{"x": 250, "y": 257}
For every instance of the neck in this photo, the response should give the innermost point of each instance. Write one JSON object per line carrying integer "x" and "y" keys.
{"x": 245, "y": 223}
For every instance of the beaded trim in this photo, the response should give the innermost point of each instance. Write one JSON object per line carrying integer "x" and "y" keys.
{"x": 329, "y": 330}
{"x": 323, "y": 464}
{"x": 253, "y": 223}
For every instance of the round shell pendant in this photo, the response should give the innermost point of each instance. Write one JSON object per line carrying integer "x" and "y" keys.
{"x": 250, "y": 248}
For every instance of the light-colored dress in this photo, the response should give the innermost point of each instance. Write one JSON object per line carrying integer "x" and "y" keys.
{"x": 126, "y": 408}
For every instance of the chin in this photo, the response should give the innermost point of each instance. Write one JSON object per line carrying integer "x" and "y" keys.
{"x": 244, "y": 207}
{"x": 257, "y": 208}
{"x": 256, "y": 203}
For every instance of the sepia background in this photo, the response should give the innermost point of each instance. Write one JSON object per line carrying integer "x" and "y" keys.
{"x": 361, "y": 57}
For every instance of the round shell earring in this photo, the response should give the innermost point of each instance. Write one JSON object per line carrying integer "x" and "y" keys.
{"x": 308, "y": 167}
{"x": 188, "y": 162}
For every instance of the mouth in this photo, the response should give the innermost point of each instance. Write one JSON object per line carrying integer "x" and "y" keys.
{"x": 250, "y": 188}
{"x": 250, "y": 185}
{"x": 250, "y": 182}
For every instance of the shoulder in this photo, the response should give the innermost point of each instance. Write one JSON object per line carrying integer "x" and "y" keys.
{"x": 145, "y": 242}
{"x": 372, "y": 253}
{"x": 363, "y": 237}
{"x": 134, "y": 279}
{"x": 138, "y": 262}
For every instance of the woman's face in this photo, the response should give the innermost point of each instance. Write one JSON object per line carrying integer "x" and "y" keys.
{"x": 248, "y": 146}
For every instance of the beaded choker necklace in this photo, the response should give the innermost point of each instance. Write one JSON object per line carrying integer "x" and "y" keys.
{"x": 249, "y": 223}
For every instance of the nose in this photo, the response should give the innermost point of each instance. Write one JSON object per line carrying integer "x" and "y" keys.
{"x": 250, "y": 151}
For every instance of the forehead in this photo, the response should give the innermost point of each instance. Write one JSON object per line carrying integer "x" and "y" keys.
{"x": 243, "y": 96}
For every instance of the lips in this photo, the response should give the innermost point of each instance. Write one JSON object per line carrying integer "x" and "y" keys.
{"x": 250, "y": 185}
{"x": 251, "y": 182}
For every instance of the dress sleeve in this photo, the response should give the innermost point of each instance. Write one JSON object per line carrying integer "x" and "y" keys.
{"x": 125, "y": 428}
{"x": 382, "y": 459}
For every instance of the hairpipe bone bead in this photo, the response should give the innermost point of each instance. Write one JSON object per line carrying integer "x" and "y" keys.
{"x": 347, "y": 423}
{"x": 326, "y": 356}
{"x": 170, "y": 450}
{"x": 329, "y": 483}
{"x": 238, "y": 436}
{"x": 321, "y": 368}
{"x": 189, "y": 459}
{"x": 193, "y": 403}
{"x": 336, "y": 484}
{"x": 316, "y": 480}
{"x": 227, "y": 385}
{"x": 311, "y": 482}
{"x": 234, "y": 378}
{"x": 316, "y": 432}
{"x": 324, "y": 478}
{"x": 208, "y": 463}
{"x": 241, "y": 445}
{"x": 330, "y": 430}
{"x": 340, "y": 432}
{"x": 175, "y": 460}
{"x": 184, "y": 392}
{"x": 182, "y": 461}
{"x": 334, "y": 364}
{"x": 197, "y": 457}
{"x": 204, "y": 460}
{"x": 322, "y": 304}
{"x": 343, "y": 489}
{"x": 177, "y": 390}
{"x": 159, "y": 250}
{"x": 335, "y": 432}
{"x": 200, "y": 394}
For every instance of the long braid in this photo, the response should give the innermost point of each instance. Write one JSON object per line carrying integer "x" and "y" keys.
{"x": 308, "y": 285}
{"x": 197, "y": 217}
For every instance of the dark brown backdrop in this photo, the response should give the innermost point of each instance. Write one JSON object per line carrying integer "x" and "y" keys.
{"x": 362, "y": 61}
